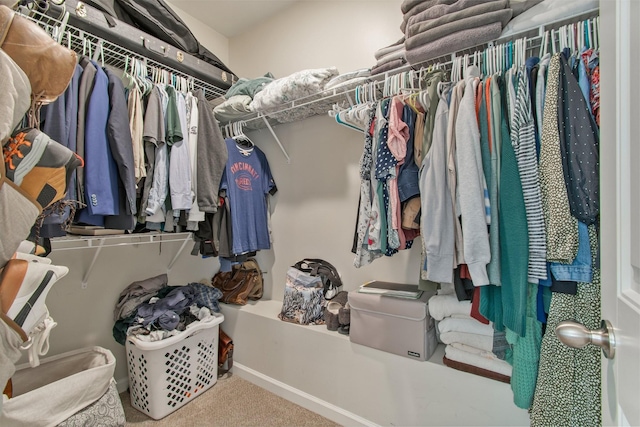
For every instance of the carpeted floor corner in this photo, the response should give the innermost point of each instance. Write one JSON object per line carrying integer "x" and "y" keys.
{"x": 232, "y": 401}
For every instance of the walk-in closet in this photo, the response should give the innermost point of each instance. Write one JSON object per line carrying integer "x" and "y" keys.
{"x": 289, "y": 134}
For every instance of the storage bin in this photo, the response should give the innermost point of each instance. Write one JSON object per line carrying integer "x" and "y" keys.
{"x": 60, "y": 387}
{"x": 167, "y": 374}
{"x": 396, "y": 325}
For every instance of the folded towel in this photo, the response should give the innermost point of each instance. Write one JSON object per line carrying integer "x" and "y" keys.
{"x": 388, "y": 66}
{"x": 483, "y": 342}
{"x": 443, "y": 8}
{"x": 465, "y": 324}
{"x": 398, "y": 54}
{"x": 407, "y": 5}
{"x": 419, "y": 8}
{"x": 454, "y": 42}
{"x": 479, "y": 359}
{"x": 501, "y": 16}
{"x": 471, "y": 9}
{"x": 446, "y": 289}
{"x": 441, "y": 306}
{"x": 399, "y": 45}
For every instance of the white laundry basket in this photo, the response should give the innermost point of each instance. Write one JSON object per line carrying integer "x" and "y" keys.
{"x": 165, "y": 375}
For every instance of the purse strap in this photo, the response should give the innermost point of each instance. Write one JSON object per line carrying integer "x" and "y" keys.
{"x": 320, "y": 267}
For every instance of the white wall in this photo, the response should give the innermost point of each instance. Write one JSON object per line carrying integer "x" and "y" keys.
{"x": 317, "y": 34}
{"x": 207, "y": 36}
{"x": 314, "y": 215}
{"x": 316, "y": 205}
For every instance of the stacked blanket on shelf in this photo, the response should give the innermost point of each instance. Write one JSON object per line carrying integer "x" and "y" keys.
{"x": 469, "y": 343}
{"x": 434, "y": 28}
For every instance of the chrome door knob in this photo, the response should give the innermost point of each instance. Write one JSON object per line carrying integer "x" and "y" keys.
{"x": 576, "y": 335}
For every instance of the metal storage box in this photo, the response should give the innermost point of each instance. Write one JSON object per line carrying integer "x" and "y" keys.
{"x": 396, "y": 325}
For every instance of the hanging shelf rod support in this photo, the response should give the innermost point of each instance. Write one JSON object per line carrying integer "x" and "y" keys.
{"x": 177, "y": 255}
{"x": 85, "y": 279}
{"x": 266, "y": 122}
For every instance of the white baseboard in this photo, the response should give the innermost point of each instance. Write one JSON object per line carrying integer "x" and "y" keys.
{"x": 299, "y": 397}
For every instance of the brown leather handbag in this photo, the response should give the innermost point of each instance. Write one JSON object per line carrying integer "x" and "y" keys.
{"x": 225, "y": 351}
{"x": 48, "y": 64}
{"x": 242, "y": 283}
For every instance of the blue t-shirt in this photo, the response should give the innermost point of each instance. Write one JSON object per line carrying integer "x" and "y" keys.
{"x": 248, "y": 180}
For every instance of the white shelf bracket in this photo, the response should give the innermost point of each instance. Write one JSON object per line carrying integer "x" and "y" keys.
{"x": 85, "y": 279}
{"x": 177, "y": 255}
{"x": 266, "y": 122}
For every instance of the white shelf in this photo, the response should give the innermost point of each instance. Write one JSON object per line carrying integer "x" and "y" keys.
{"x": 73, "y": 242}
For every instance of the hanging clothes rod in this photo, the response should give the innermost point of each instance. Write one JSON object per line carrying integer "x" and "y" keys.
{"x": 533, "y": 36}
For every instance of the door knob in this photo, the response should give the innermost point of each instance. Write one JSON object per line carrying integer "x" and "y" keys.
{"x": 576, "y": 335}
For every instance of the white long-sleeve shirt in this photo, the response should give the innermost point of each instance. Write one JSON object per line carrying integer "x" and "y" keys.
{"x": 472, "y": 187}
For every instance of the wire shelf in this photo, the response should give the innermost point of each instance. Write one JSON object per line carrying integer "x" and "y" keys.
{"x": 343, "y": 97}
{"x": 112, "y": 54}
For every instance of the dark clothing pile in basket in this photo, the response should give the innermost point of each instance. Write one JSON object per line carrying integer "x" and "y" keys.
{"x": 153, "y": 309}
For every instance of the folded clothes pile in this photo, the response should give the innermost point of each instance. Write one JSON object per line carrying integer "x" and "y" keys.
{"x": 471, "y": 345}
{"x": 434, "y": 28}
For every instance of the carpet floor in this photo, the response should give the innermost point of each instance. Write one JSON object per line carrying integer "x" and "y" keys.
{"x": 232, "y": 401}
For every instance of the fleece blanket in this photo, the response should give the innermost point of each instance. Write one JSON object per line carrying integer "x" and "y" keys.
{"x": 475, "y": 357}
{"x": 471, "y": 9}
{"x": 465, "y": 324}
{"x": 441, "y": 306}
{"x": 482, "y": 342}
{"x": 454, "y": 42}
{"x": 501, "y": 16}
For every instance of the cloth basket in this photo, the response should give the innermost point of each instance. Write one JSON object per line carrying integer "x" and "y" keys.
{"x": 167, "y": 374}
{"x": 60, "y": 387}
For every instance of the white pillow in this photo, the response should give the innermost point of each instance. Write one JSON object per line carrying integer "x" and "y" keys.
{"x": 547, "y": 11}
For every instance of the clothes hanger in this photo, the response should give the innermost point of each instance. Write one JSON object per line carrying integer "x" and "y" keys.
{"x": 243, "y": 142}
{"x": 128, "y": 80}
{"x": 86, "y": 47}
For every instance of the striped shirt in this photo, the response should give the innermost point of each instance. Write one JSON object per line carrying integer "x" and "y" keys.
{"x": 524, "y": 146}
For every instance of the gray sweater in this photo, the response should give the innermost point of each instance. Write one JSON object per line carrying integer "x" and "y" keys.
{"x": 436, "y": 222}
{"x": 212, "y": 157}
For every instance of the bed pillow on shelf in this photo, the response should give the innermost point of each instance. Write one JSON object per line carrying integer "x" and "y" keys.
{"x": 295, "y": 86}
{"x": 338, "y": 81}
{"x": 545, "y": 12}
